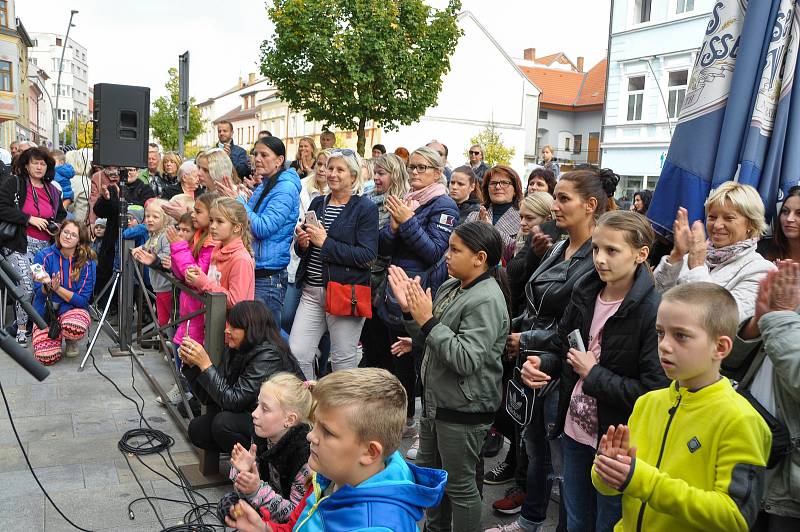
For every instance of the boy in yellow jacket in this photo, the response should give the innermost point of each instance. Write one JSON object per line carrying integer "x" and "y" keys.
{"x": 693, "y": 455}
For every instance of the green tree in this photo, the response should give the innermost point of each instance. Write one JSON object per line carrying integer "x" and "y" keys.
{"x": 494, "y": 152}
{"x": 84, "y": 136}
{"x": 346, "y": 62}
{"x": 164, "y": 119}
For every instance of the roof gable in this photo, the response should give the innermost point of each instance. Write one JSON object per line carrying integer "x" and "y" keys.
{"x": 572, "y": 89}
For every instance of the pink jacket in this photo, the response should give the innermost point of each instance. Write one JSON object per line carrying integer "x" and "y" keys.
{"x": 232, "y": 272}
{"x": 182, "y": 258}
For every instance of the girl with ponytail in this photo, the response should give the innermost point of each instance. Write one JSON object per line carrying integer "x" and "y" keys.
{"x": 64, "y": 286}
{"x": 463, "y": 331}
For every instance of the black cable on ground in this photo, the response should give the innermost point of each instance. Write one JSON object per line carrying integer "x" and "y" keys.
{"x": 30, "y": 467}
{"x": 147, "y": 441}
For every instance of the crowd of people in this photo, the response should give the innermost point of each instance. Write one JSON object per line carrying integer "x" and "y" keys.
{"x": 651, "y": 391}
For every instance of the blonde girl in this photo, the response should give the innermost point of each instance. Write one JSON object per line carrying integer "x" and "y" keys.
{"x": 533, "y": 211}
{"x": 275, "y": 476}
{"x": 155, "y": 253}
{"x": 305, "y": 157}
{"x": 232, "y": 269}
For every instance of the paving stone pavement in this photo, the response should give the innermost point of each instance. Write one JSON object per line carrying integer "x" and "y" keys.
{"x": 70, "y": 425}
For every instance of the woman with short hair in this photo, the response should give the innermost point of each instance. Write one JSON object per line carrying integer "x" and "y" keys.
{"x": 541, "y": 179}
{"x": 170, "y": 163}
{"x": 32, "y": 204}
{"x": 188, "y": 182}
{"x": 735, "y": 222}
{"x": 502, "y": 194}
{"x": 337, "y": 250}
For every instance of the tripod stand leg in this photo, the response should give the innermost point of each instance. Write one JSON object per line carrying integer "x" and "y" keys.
{"x": 90, "y": 347}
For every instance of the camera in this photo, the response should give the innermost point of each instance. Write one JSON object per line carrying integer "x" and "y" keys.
{"x": 52, "y": 227}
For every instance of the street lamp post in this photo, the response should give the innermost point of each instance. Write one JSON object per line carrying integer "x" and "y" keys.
{"x": 60, "y": 69}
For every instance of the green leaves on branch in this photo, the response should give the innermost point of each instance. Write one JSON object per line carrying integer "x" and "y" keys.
{"x": 494, "y": 152}
{"x": 346, "y": 62}
{"x": 164, "y": 119}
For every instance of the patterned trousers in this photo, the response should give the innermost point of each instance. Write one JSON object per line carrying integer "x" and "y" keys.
{"x": 74, "y": 324}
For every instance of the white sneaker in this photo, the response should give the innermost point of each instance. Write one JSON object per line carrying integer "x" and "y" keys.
{"x": 411, "y": 454}
{"x": 510, "y": 527}
{"x": 173, "y": 396}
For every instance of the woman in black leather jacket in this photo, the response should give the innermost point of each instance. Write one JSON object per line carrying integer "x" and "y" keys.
{"x": 255, "y": 350}
{"x": 580, "y": 197}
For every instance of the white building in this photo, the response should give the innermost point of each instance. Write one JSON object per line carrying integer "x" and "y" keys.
{"x": 654, "y": 44}
{"x": 495, "y": 91}
{"x": 73, "y": 95}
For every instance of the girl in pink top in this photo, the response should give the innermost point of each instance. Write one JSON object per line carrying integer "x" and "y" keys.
{"x": 232, "y": 269}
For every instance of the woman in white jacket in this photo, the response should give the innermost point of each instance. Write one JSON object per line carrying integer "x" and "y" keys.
{"x": 734, "y": 222}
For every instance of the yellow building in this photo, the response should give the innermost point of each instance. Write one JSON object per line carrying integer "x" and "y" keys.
{"x": 14, "y": 85}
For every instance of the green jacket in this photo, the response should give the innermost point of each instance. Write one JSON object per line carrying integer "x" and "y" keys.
{"x": 464, "y": 342}
{"x": 780, "y": 341}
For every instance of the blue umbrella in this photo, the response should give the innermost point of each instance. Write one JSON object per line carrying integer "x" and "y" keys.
{"x": 739, "y": 113}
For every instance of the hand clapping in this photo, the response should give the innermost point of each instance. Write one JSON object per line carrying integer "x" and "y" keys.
{"x": 615, "y": 457}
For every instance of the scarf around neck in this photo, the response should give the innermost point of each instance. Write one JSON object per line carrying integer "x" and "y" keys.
{"x": 718, "y": 256}
{"x": 425, "y": 195}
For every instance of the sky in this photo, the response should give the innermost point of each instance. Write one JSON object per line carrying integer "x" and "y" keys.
{"x": 135, "y": 42}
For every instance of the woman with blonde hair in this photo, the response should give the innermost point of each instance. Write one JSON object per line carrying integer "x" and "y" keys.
{"x": 305, "y": 157}
{"x": 171, "y": 163}
{"x": 213, "y": 166}
{"x": 735, "y": 223}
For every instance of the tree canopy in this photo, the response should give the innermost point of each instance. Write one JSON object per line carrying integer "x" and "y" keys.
{"x": 346, "y": 62}
{"x": 164, "y": 119}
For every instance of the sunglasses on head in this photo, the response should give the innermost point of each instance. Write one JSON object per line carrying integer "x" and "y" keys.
{"x": 342, "y": 152}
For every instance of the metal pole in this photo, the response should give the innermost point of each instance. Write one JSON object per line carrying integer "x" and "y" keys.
{"x": 61, "y": 68}
{"x": 183, "y": 100}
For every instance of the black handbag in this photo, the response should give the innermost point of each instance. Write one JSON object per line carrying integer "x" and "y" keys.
{"x": 9, "y": 230}
{"x": 519, "y": 397}
{"x": 51, "y": 317}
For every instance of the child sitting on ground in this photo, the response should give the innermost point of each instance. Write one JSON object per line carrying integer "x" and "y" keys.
{"x": 275, "y": 475}
{"x": 692, "y": 456}
{"x": 361, "y": 480}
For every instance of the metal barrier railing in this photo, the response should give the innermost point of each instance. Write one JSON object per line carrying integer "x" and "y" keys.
{"x": 206, "y": 472}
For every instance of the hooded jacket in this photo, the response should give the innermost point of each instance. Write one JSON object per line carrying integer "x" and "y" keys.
{"x": 55, "y": 262}
{"x": 234, "y": 385}
{"x": 182, "y": 258}
{"x": 273, "y": 218}
{"x": 629, "y": 365}
{"x": 64, "y": 174}
{"x": 392, "y": 500}
{"x": 231, "y": 272}
{"x": 699, "y": 464}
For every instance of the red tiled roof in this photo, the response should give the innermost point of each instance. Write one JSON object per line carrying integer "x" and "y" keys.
{"x": 574, "y": 89}
{"x": 594, "y": 86}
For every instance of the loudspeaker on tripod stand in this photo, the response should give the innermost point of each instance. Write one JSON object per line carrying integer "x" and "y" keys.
{"x": 121, "y": 125}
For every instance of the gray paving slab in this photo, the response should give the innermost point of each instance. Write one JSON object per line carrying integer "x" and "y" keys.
{"x": 22, "y": 512}
{"x": 36, "y": 429}
{"x": 11, "y": 458}
{"x": 91, "y": 422}
{"x": 98, "y": 509}
{"x": 100, "y": 474}
{"x": 55, "y": 479}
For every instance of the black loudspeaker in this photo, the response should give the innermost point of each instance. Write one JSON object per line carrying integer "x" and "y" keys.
{"x": 121, "y": 125}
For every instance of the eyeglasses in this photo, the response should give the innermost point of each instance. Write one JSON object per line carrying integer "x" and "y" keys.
{"x": 421, "y": 168}
{"x": 474, "y": 152}
{"x": 69, "y": 234}
{"x": 500, "y": 184}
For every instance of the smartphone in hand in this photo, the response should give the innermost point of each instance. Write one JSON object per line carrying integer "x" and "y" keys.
{"x": 311, "y": 219}
{"x": 575, "y": 340}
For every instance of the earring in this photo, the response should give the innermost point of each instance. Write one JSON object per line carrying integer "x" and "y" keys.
{"x": 286, "y": 425}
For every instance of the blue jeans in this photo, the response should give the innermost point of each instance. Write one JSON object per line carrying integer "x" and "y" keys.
{"x": 587, "y": 510}
{"x": 544, "y": 461}
{"x": 290, "y": 302}
{"x": 271, "y": 291}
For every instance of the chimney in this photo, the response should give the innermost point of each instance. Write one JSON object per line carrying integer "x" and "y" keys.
{"x": 251, "y": 78}
{"x": 529, "y": 54}
{"x": 580, "y": 64}
{"x": 241, "y": 82}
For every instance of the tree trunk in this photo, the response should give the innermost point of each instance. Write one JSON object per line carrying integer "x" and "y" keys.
{"x": 362, "y": 136}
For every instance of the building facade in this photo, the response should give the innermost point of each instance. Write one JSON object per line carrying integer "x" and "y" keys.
{"x": 654, "y": 45}
{"x": 73, "y": 93}
{"x": 14, "y": 83}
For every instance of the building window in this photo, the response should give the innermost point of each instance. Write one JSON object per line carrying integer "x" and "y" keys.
{"x": 566, "y": 144}
{"x": 3, "y": 13}
{"x": 677, "y": 83}
{"x": 641, "y": 11}
{"x": 542, "y": 115}
{"x": 684, "y": 6}
{"x": 58, "y": 41}
{"x": 635, "y": 97}
{"x": 6, "y": 83}
{"x": 577, "y": 143}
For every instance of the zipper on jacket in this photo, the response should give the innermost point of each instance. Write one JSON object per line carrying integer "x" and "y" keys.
{"x": 660, "y": 456}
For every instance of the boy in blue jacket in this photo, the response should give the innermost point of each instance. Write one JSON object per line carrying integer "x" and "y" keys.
{"x": 361, "y": 483}
{"x": 64, "y": 174}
